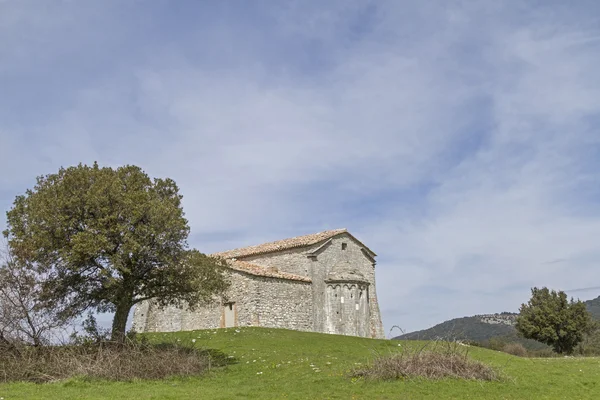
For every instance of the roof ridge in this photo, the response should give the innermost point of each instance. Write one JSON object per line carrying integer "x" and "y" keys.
{"x": 283, "y": 244}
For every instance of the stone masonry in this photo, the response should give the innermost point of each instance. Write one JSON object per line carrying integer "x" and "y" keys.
{"x": 324, "y": 282}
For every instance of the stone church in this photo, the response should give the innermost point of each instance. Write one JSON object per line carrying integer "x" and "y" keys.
{"x": 324, "y": 282}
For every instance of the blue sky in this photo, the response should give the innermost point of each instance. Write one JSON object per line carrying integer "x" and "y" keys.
{"x": 459, "y": 140}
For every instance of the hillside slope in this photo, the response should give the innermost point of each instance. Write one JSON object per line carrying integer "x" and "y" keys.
{"x": 465, "y": 328}
{"x": 485, "y": 327}
{"x": 593, "y": 307}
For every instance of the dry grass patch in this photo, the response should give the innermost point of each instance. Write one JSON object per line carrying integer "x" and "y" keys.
{"x": 105, "y": 361}
{"x": 436, "y": 362}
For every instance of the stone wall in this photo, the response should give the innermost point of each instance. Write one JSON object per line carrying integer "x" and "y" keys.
{"x": 258, "y": 301}
{"x": 284, "y": 304}
{"x": 332, "y": 256}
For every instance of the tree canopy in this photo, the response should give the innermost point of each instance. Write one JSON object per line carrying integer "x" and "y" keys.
{"x": 550, "y": 318}
{"x": 110, "y": 238}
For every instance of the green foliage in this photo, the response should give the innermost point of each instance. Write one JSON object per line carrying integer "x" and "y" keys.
{"x": 590, "y": 345}
{"x": 550, "y": 318}
{"x": 108, "y": 239}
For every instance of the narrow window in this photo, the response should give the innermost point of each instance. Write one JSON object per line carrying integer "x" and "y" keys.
{"x": 344, "y": 245}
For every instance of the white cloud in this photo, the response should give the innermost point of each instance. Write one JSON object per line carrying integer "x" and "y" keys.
{"x": 457, "y": 141}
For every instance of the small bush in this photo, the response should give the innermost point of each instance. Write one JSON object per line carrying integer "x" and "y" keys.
{"x": 516, "y": 349}
{"x": 496, "y": 343}
{"x": 435, "y": 363}
{"x": 104, "y": 360}
{"x": 543, "y": 353}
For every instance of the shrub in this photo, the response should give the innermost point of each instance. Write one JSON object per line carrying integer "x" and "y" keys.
{"x": 436, "y": 363}
{"x": 590, "y": 345}
{"x": 104, "y": 360}
{"x": 543, "y": 353}
{"x": 516, "y": 349}
{"x": 497, "y": 344}
{"x": 550, "y": 318}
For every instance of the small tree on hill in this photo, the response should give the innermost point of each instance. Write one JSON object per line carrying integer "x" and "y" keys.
{"x": 107, "y": 239}
{"x": 550, "y": 318}
{"x": 23, "y": 317}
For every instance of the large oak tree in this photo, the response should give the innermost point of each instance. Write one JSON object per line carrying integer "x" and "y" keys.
{"x": 110, "y": 238}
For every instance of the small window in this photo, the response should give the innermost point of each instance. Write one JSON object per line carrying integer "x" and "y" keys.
{"x": 344, "y": 245}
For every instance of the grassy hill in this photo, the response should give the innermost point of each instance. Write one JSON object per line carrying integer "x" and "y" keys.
{"x": 472, "y": 328}
{"x": 283, "y": 364}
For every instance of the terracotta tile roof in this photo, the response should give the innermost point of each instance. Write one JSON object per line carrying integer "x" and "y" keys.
{"x": 279, "y": 245}
{"x": 259, "y": 270}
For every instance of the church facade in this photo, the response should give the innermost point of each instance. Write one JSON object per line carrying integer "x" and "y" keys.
{"x": 323, "y": 282}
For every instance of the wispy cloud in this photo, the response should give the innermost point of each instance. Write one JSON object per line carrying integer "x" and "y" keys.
{"x": 459, "y": 141}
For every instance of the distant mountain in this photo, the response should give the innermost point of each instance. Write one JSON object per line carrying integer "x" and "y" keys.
{"x": 484, "y": 327}
{"x": 593, "y": 307}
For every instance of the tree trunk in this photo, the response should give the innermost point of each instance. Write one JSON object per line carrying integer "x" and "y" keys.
{"x": 120, "y": 322}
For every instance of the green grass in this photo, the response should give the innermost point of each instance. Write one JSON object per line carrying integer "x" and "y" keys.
{"x": 282, "y": 364}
